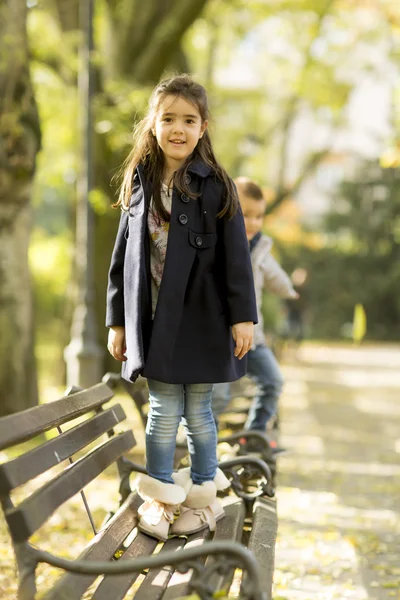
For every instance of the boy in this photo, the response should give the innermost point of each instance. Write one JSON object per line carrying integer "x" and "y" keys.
{"x": 262, "y": 365}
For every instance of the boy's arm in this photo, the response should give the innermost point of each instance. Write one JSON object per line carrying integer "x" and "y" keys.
{"x": 276, "y": 280}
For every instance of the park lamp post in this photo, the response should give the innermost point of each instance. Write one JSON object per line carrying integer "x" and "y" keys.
{"x": 83, "y": 355}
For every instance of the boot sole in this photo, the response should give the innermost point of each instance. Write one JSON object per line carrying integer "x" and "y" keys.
{"x": 151, "y": 533}
{"x": 204, "y": 526}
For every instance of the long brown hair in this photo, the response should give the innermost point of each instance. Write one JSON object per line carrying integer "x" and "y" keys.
{"x": 147, "y": 151}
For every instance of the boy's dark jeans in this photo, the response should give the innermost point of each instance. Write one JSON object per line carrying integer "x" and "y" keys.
{"x": 264, "y": 370}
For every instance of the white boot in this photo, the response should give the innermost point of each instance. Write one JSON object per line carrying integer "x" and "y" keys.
{"x": 201, "y": 508}
{"x": 157, "y": 512}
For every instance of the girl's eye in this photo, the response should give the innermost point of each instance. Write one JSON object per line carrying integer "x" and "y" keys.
{"x": 167, "y": 119}
{"x": 190, "y": 121}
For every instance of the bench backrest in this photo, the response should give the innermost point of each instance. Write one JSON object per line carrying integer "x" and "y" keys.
{"x": 30, "y": 514}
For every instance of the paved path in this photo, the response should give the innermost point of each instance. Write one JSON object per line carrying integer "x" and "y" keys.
{"x": 339, "y": 490}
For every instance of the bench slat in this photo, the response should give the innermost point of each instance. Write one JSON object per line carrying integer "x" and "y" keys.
{"x": 24, "y": 468}
{"x": 25, "y": 425}
{"x": 103, "y": 546}
{"x": 28, "y": 516}
{"x": 230, "y": 528}
{"x": 263, "y": 538}
{"x": 116, "y": 586}
{"x": 179, "y": 582}
{"x": 157, "y": 580}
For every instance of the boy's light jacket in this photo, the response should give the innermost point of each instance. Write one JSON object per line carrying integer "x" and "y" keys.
{"x": 268, "y": 275}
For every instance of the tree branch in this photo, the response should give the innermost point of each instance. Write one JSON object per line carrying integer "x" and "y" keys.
{"x": 68, "y": 14}
{"x": 285, "y": 192}
{"x": 165, "y": 40}
{"x": 212, "y": 51}
{"x": 19, "y": 120}
{"x": 56, "y": 63}
{"x": 291, "y": 113}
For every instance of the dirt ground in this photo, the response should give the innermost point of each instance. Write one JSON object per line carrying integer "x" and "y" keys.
{"x": 339, "y": 487}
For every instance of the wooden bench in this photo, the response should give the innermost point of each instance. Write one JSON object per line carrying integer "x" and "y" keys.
{"x": 202, "y": 563}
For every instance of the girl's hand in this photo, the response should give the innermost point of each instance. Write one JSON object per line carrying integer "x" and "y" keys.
{"x": 243, "y": 335}
{"x": 116, "y": 343}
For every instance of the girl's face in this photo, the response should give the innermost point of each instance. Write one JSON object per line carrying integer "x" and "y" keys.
{"x": 178, "y": 127}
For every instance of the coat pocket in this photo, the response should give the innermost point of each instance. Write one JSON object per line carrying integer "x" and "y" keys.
{"x": 201, "y": 241}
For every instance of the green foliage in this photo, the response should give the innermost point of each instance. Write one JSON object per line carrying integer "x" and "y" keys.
{"x": 50, "y": 260}
{"x": 360, "y": 262}
{"x": 53, "y": 68}
{"x": 295, "y": 51}
{"x": 266, "y": 64}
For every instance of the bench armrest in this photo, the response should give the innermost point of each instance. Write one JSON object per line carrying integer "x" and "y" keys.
{"x": 227, "y": 556}
{"x": 130, "y": 467}
{"x": 258, "y": 437}
{"x": 253, "y": 469}
{"x": 125, "y": 468}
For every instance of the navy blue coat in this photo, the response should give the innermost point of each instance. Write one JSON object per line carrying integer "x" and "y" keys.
{"x": 207, "y": 286}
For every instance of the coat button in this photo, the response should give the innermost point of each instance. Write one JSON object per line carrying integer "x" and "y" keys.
{"x": 188, "y": 179}
{"x": 199, "y": 241}
{"x": 185, "y": 198}
{"x": 183, "y": 219}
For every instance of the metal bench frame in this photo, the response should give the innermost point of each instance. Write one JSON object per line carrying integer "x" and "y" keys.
{"x": 226, "y": 556}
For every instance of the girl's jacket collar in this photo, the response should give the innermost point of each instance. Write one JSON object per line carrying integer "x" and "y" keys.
{"x": 196, "y": 167}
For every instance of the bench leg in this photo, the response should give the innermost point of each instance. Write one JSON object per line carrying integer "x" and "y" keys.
{"x": 27, "y": 561}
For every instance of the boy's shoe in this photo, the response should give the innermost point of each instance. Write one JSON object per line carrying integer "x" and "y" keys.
{"x": 249, "y": 446}
{"x": 275, "y": 449}
{"x": 279, "y": 450}
{"x": 192, "y": 520}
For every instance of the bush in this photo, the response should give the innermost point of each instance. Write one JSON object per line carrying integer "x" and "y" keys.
{"x": 50, "y": 260}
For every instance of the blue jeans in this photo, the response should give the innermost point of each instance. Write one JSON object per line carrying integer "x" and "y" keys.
{"x": 169, "y": 404}
{"x": 263, "y": 368}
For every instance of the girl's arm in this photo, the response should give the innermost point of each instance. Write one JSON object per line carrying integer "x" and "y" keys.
{"x": 115, "y": 291}
{"x": 243, "y": 335}
{"x": 276, "y": 280}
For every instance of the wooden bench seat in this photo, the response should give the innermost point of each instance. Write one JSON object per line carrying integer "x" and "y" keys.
{"x": 121, "y": 555}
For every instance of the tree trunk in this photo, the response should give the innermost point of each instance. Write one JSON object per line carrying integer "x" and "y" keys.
{"x": 19, "y": 144}
{"x": 18, "y": 386}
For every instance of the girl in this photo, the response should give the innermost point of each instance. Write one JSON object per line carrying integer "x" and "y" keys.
{"x": 180, "y": 301}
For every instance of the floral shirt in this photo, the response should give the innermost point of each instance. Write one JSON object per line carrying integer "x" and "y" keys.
{"x": 158, "y": 230}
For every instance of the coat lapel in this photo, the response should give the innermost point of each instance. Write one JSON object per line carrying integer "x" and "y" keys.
{"x": 179, "y": 261}
{"x": 178, "y": 264}
{"x": 137, "y": 281}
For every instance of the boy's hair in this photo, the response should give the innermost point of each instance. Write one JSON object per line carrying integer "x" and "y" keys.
{"x": 249, "y": 188}
{"x": 147, "y": 151}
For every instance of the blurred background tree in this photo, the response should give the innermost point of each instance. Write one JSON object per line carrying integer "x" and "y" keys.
{"x": 359, "y": 259}
{"x": 281, "y": 76}
{"x": 135, "y": 44}
{"x": 19, "y": 144}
